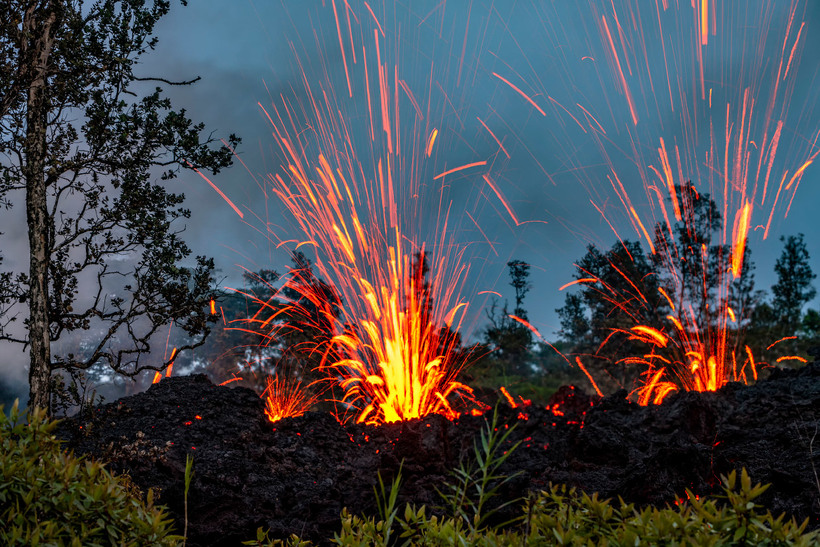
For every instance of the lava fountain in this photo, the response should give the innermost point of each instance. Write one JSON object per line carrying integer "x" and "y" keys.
{"x": 697, "y": 141}
{"x": 365, "y": 207}
{"x": 738, "y": 142}
{"x": 286, "y": 397}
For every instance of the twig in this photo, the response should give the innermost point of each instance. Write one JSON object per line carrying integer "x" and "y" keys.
{"x": 811, "y": 442}
{"x": 811, "y": 458}
{"x": 169, "y": 82}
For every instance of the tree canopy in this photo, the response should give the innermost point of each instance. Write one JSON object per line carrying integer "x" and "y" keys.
{"x": 83, "y": 148}
{"x": 793, "y": 289}
{"x": 507, "y": 337}
{"x": 685, "y": 291}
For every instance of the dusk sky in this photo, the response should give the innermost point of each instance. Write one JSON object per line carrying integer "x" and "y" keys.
{"x": 557, "y": 171}
{"x": 561, "y": 112}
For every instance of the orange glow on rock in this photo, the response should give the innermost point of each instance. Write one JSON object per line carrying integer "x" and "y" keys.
{"x": 286, "y": 398}
{"x": 389, "y": 349}
{"x": 520, "y": 403}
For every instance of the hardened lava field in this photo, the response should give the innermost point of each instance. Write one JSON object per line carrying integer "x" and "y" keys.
{"x": 296, "y": 475}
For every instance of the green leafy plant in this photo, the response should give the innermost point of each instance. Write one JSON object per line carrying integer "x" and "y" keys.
{"x": 51, "y": 497}
{"x": 564, "y": 516}
{"x": 386, "y": 502}
{"x": 189, "y": 473}
{"x": 570, "y": 518}
{"x": 477, "y": 481}
{"x": 263, "y": 540}
{"x": 364, "y": 531}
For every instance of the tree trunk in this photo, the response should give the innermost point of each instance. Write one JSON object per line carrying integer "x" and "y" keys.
{"x": 38, "y": 40}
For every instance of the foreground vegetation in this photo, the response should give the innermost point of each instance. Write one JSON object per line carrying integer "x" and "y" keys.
{"x": 563, "y": 516}
{"x": 560, "y": 515}
{"x": 50, "y": 497}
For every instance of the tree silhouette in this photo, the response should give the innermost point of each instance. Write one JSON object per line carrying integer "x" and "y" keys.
{"x": 274, "y": 325}
{"x": 235, "y": 348}
{"x": 309, "y": 321}
{"x": 619, "y": 289}
{"x": 448, "y": 343}
{"x": 682, "y": 290}
{"x": 689, "y": 264}
{"x": 793, "y": 288}
{"x": 508, "y": 338}
{"x": 80, "y": 150}
{"x": 574, "y": 322}
{"x": 519, "y": 272}
{"x": 810, "y": 329}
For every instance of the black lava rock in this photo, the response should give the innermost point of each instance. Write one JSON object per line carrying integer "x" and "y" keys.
{"x": 296, "y": 475}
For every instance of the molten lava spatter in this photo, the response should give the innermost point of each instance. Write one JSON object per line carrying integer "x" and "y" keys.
{"x": 682, "y": 125}
{"x": 396, "y": 366}
{"x": 393, "y": 347}
{"x": 286, "y": 398}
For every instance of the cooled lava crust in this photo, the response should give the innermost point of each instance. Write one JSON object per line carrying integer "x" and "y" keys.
{"x": 296, "y": 475}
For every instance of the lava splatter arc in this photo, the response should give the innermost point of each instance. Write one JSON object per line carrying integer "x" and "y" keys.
{"x": 357, "y": 204}
{"x": 703, "y": 143}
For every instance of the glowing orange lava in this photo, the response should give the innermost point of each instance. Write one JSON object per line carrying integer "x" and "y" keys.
{"x": 687, "y": 121}
{"x": 286, "y": 398}
{"x": 356, "y": 202}
{"x": 168, "y": 371}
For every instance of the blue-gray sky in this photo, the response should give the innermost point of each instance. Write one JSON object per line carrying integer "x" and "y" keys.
{"x": 556, "y": 53}
{"x": 565, "y": 148}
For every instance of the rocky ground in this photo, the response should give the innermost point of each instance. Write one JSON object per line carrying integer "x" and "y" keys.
{"x": 296, "y": 475}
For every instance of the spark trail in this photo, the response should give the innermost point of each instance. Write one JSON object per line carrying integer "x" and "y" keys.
{"x": 679, "y": 104}
{"x": 394, "y": 347}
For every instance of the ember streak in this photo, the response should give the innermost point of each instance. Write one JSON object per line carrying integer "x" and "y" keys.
{"x": 681, "y": 124}
{"x": 357, "y": 205}
{"x": 699, "y": 154}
